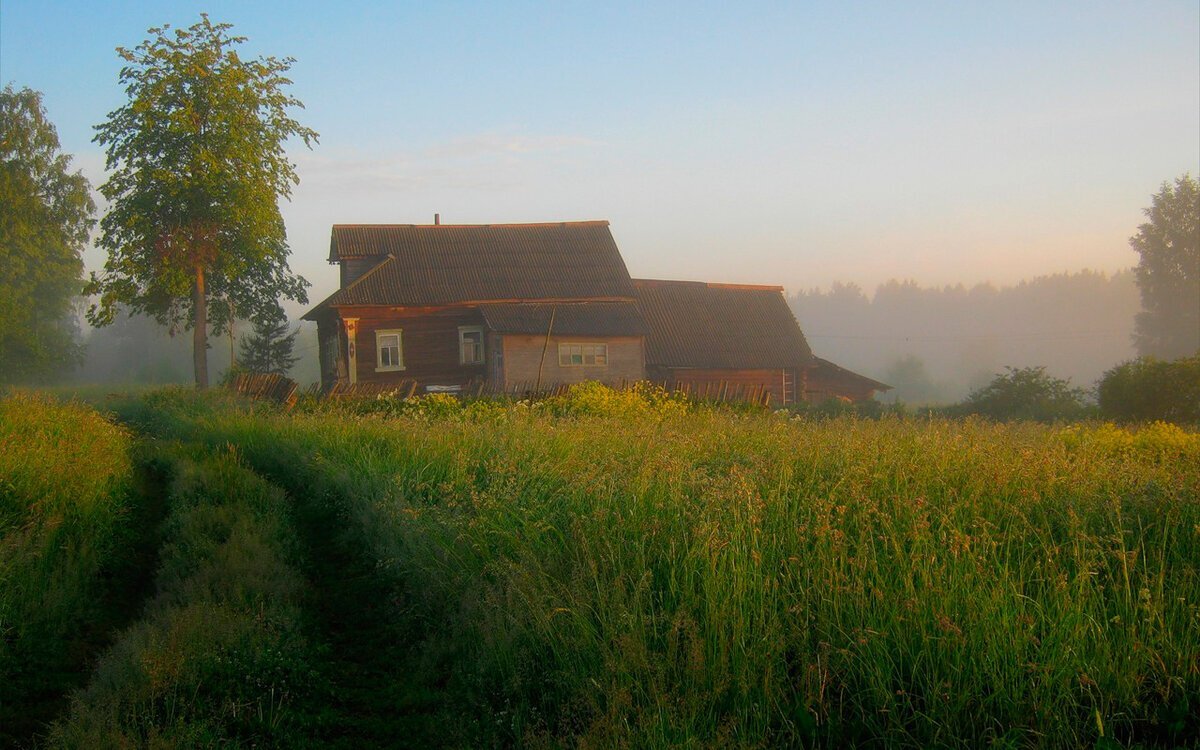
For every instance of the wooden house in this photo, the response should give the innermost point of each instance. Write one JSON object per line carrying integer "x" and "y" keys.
{"x": 514, "y": 306}
{"x": 450, "y": 305}
{"x": 744, "y": 335}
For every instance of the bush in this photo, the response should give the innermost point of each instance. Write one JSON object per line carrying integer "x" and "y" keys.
{"x": 1149, "y": 389}
{"x": 1025, "y": 393}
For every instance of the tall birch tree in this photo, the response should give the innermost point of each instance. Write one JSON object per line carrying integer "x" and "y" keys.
{"x": 197, "y": 165}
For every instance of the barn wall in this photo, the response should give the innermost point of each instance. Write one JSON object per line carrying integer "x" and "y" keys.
{"x": 522, "y": 354}
{"x": 821, "y": 389}
{"x": 429, "y": 343}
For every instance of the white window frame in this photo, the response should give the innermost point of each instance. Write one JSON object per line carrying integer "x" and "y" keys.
{"x": 568, "y": 351}
{"x": 462, "y": 355}
{"x": 379, "y": 336}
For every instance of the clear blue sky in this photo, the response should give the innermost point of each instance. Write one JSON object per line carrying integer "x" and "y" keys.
{"x": 780, "y": 143}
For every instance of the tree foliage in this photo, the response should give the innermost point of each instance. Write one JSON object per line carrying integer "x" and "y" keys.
{"x": 1147, "y": 389}
{"x": 44, "y": 225}
{"x": 269, "y": 348}
{"x": 198, "y": 165}
{"x": 1168, "y": 273}
{"x": 1026, "y": 393}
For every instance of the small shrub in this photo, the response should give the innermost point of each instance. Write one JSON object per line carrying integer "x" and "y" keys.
{"x": 1149, "y": 389}
{"x": 1026, "y": 393}
{"x": 595, "y": 399}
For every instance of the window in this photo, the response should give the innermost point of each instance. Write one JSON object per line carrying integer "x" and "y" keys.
{"x": 583, "y": 355}
{"x": 388, "y": 353}
{"x": 470, "y": 345}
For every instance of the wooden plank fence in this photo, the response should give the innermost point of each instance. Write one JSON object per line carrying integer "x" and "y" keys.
{"x": 401, "y": 389}
{"x": 266, "y": 386}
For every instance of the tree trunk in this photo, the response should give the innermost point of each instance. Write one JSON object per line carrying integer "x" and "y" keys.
{"x": 200, "y": 330}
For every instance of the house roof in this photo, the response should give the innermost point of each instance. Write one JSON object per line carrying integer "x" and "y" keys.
{"x": 452, "y": 264}
{"x": 827, "y": 371}
{"x": 719, "y": 326}
{"x": 570, "y": 319}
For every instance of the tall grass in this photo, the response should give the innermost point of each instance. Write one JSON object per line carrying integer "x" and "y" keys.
{"x": 711, "y": 579}
{"x": 220, "y": 656}
{"x": 65, "y": 500}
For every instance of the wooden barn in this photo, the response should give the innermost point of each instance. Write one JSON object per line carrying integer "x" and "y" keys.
{"x": 826, "y": 381}
{"x": 744, "y": 335}
{"x": 450, "y": 305}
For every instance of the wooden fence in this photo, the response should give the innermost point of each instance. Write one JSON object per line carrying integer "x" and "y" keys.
{"x": 266, "y": 386}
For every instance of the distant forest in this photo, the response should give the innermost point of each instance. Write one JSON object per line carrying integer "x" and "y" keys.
{"x": 935, "y": 344}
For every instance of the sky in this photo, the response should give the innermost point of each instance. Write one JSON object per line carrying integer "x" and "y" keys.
{"x": 792, "y": 143}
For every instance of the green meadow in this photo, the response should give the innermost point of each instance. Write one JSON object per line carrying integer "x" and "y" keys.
{"x": 607, "y": 569}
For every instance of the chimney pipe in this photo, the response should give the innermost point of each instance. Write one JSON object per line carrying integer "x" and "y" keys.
{"x": 437, "y": 219}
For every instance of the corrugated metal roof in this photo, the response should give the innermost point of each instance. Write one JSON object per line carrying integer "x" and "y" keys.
{"x": 447, "y": 264}
{"x": 719, "y": 326}
{"x": 570, "y": 319}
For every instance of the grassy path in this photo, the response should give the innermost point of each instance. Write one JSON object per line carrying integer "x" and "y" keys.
{"x": 369, "y": 695}
{"x": 371, "y": 685}
{"x": 221, "y": 655}
{"x": 125, "y": 587}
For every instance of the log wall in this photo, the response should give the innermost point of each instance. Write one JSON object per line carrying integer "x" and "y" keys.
{"x": 522, "y": 354}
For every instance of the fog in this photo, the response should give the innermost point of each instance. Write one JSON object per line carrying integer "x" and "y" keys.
{"x": 935, "y": 344}
{"x": 135, "y": 350}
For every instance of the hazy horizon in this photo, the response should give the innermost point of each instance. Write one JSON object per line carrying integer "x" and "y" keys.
{"x": 789, "y": 145}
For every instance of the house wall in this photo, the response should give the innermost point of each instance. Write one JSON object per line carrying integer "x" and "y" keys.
{"x": 522, "y": 355}
{"x": 771, "y": 379}
{"x": 429, "y": 344}
{"x": 329, "y": 350}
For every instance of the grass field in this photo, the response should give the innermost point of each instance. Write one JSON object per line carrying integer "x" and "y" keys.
{"x": 66, "y": 500}
{"x": 219, "y": 656}
{"x": 627, "y": 570}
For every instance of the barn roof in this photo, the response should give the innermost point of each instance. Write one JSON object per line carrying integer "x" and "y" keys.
{"x": 570, "y": 319}
{"x": 827, "y": 372}
{"x": 719, "y": 326}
